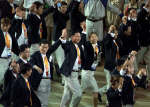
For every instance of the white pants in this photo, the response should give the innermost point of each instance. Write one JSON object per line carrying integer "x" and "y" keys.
{"x": 107, "y": 86}
{"x": 88, "y": 80}
{"x": 72, "y": 90}
{"x": 43, "y": 91}
{"x": 128, "y": 105}
{"x": 95, "y": 27}
{"x": 3, "y": 66}
{"x": 59, "y": 54}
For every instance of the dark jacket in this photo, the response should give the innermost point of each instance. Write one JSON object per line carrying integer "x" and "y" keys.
{"x": 36, "y": 59}
{"x": 16, "y": 27}
{"x": 34, "y": 26}
{"x": 6, "y": 9}
{"x": 110, "y": 52}
{"x": 60, "y": 21}
{"x": 21, "y": 94}
{"x": 20, "y": 62}
{"x": 70, "y": 58}
{"x": 90, "y": 55}
{"x": 9, "y": 79}
{"x": 76, "y": 17}
{"x": 143, "y": 20}
{"x": 114, "y": 97}
{"x": 128, "y": 88}
{"x": 129, "y": 42}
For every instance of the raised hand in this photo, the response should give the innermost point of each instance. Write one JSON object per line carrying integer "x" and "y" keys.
{"x": 64, "y": 34}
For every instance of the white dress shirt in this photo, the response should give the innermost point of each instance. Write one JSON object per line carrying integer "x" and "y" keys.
{"x": 7, "y": 52}
{"x": 44, "y": 73}
{"x": 77, "y": 66}
{"x": 22, "y": 39}
{"x": 25, "y": 61}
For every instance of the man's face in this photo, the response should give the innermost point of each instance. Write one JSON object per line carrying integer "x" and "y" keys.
{"x": 15, "y": 66}
{"x": 133, "y": 13}
{"x": 63, "y": 9}
{"x": 26, "y": 53}
{"x": 40, "y": 10}
{"x": 76, "y": 38}
{"x": 93, "y": 38}
{"x": 29, "y": 73}
{"x": 5, "y": 27}
{"x": 44, "y": 48}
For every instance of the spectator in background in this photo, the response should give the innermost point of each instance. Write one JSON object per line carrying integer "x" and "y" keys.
{"x": 7, "y": 8}
{"x": 76, "y": 15}
{"x": 95, "y": 12}
{"x": 143, "y": 20}
{"x": 130, "y": 5}
{"x": 111, "y": 46}
{"x": 19, "y": 27}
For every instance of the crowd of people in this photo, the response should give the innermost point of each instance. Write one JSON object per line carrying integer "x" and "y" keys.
{"x": 27, "y": 55}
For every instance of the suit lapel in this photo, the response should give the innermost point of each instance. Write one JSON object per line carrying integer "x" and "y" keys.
{"x": 74, "y": 50}
{"x": 41, "y": 60}
{"x": 2, "y": 42}
{"x": 24, "y": 85}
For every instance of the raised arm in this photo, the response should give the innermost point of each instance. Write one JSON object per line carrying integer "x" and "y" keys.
{"x": 61, "y": 40}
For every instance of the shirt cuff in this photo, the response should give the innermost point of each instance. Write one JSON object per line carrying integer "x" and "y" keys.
{"x": 63, "y": 41}
{"x": 139, "y": 76}
{"x": 122, "y": 72}
{"x": 119, "y": 89}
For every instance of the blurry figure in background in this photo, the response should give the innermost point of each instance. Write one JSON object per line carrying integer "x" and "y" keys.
{"x": 114, "y": 93}
{"x": 143, "y": 21}
{"x": 133, "y": 4}
{"x": 112, "y": 18}
{"x": 91, "y": 53}
{"x": 131, "y": 81}
{"x": 76, "y": 15}
{"x": 112, "y": 46}
{"x": 95, "y": 12}
{"x": 10, "y": 76}
{"x": 7, "y": 8}
{"x": 123, "y": 24}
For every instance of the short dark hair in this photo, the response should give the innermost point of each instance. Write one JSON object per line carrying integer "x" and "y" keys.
{"x": 5, "y": 21}
{"x": 89, "y": 36}
{"x": 73, "y": 32}
{"x": 63, "y": 3}
{"x": 38, "y": 4}
{"x": 114, "y": 79}
{"x": 122, "y": 60}
{"x": 44, "y": 41}
{"x": 25, "y": 68}
{"x": 23, "y": 47}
